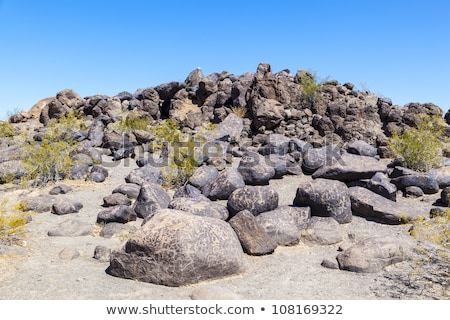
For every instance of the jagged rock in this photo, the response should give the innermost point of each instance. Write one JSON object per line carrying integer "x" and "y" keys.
{"x": 61, "y": 189}
{"x": 400, "y": 171}
{"x": 381, "y": 185}
{"x": 174, "y": 248}
{"x": 66, "y": 207}
{"x": 131, "y": 190}
{"x": 230, "y": 127}
{"x": 350, "y": 167}
{"x": 322, "y": 231}
{"x": 314, "y": 158}
{"x": 226, "y": 182}
{"x": 117, "y": 229}
{"x": 167, "y": 90}
{"x": 253, "y": 238}
{"x": 445, "y": 196}
{"x": 255, "y": 199}
{"x": 285, "y": 224}
{"x": 147, "y": 173}
{"x": 116, "y": 199}
{"x": 71, "y": 228}
{"x": 203, "y": 175}
{"x": 326, "y": 198}
{"x": 267, "y": 113}
{"x": 368, "y": 204}
{"x": 118, "y": 213}
{"x": 151, "y": 198}
{"x": 426, "y": 182}
{"x": 189, "y": 191}
{"x": 275, "y": 144}
{"x": 206, "y": 208}
{"x": 96, "y": 133}
{"x": 254, "y": 169}
{"x": 362, "y": 148}
{"x": 371, "y": 255}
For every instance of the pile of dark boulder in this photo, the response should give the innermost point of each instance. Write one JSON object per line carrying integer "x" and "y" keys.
{"x": 227, "y": 209}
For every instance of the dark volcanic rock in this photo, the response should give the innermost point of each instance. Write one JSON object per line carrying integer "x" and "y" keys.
{"x": 362, "y": 148}
{"x": 66, "y": 207}
{"x": 285, "y": 224}
{"x": 174, "y": 248}
{"x": 255, "y": 199}
{"x": 275, "y": 144}
{"x": 151, "y": 198}
{"x": 254, "y": 239}
{"x": 350, "y": 167}
{"x": 205, "y": 208}
{"x": 326, "y": 198}
{"x": 118, "y": 213}
{"x": 226, "y": 182}
{"x": 131, "y": 190}
{"x": 230, "y": 127}
{"x": 368, "y": 204}
{"x": 381, "y": 185}
{"x": 115, "y": 199}
{"x": 61, "y": 189}
{"x": 254, "y": 169}
{"x": 371, "y": 255}
{"x": 314, "y": 158}
{"x": 426, "y": 182}
{"x": 146, "y": 173}
{"x": 203, "y": 175}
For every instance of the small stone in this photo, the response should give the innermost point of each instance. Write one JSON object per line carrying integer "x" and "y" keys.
{"x": 62, "y": 189}
{"x": 68, "y": 254}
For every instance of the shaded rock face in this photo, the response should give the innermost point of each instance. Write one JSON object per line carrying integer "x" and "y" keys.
{"x": 255, "y": 199}
{"x": 381, "y": 185}
{"x": 371, "y": 255}
{"x": 326, "y": 198}
{"x": 254, "y": 239}
{"x": 174, "y": 248}
{"x": 117, "y": 213}
{"x": 368, "y": 204}
{"x": 151, "y": 198}
{"x": 285, "y": 224}
{"x": 426, "y": 182}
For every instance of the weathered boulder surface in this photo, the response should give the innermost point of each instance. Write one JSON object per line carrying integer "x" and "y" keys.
{"x": 371, "y": 255}
{"x": 253, "y": 237}
{"x": 254, "y": 169}
{"x": 255, "y": 199}
{"x": 66, "y": 207}
{"x": 285, "y": 224}
{"x": 380, "y": 184}
{"x": 350, "y": 167}
{"x": 326, "y": 198}
{"x": 174, "y": 248}
{"x": 203, "y": 175}
{"x": 322, "y": 231}
{"x": 226, "y": 182}
{"x": 426, "y": 182}
{"x": 151, "y": 198}
{"x": 368, "y": 204}
{"x": 362, "y": 148}
{"x": 205, "y": 208}
{"x": 117, "y": 213}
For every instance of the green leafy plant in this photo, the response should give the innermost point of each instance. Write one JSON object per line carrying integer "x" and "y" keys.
{"x": 6, "y": 129}
{"x": 420, "y": 148}
{"x": 310, "y": 85}
{"x": 131, "y": 122}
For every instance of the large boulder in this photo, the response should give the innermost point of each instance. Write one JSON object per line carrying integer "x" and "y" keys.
{"x": 226, "y": 182}
{"x": 371, "y": 255}
{"x": 254, "y": 169}
{"x": 326, "y": 198}
{"x": 203, "y": 175}
{"x": 285, "y": 224}
{"x": 230, "y": 127}
{"x": 174, "y": 248}
{"x": 151, "y": 198}
{"x": 255, "y": 199}
{"x": 362, "y": 148}
{"x": 253, "y": 237}
{"x": 350, "y": 167}
{"x": 368, "y": 204}
{"x": 380, "y": 183}
{"x": 426, "y": 182}
{"x": 315, "y": 158}
{"x": 118, "y": 213}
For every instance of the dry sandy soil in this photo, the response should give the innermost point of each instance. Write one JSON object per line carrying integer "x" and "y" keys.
{"x": 36, "y": 271}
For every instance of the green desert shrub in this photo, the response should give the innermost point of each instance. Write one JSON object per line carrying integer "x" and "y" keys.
{"x": 182, "y": 150}
{"x": 310, "y": 86}
{"x": 131, "y": 122}
{"x": 420, "y": 148}
{"x": 6, "y": 129}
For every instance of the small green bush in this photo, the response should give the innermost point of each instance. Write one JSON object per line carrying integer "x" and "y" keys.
{"x": 310, "y": 86}
{"x": 132, "y": 122}
{"x": 182, "y": 151}
{"x": 6, "y": 129}
{"x": 420, "y": 148}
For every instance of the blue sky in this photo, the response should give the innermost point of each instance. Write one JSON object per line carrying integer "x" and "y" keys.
{"x": 397, "y": 49}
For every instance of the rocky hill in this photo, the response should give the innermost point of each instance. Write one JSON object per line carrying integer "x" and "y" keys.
{"x": 185, "y": 183}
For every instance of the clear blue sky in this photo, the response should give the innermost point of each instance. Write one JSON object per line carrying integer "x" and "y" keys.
{"x": 397, "y": 49}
